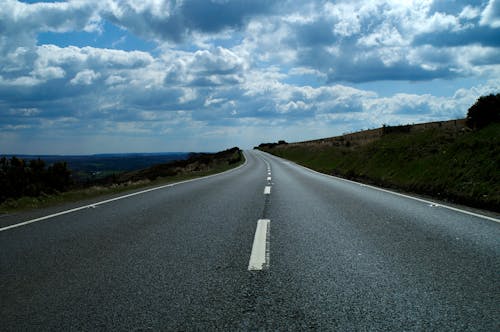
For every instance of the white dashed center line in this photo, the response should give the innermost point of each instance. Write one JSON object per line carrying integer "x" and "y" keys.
{"x": 259, "y": 258}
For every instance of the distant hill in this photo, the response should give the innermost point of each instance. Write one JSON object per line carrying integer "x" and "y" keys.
{"x": 88, "y": 167}
{"x": 447, "y": 159}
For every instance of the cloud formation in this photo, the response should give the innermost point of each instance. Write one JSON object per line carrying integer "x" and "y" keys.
{"x": 176, "y": 20}
{"x": 222, "y": 70}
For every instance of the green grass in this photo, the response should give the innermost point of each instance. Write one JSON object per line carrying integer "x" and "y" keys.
{"x": 462, "y": 167}
{"x": 28, "y": 203}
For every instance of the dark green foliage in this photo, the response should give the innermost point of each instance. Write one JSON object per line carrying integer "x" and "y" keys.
{"x": 270, "y": 145}
{"x": 19, "y": 177}
{"x": 59, "y": 176}
{"x": 485, "y": 111}
{"x": 395, "y": 129}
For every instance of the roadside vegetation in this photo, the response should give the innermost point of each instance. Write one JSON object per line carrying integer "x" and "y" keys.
{"x": 31, "y": 184}
{"x": 458, "y": 164}
{"x": 19, "y": 177}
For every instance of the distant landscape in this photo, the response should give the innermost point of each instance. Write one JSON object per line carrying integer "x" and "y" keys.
{"x": 456, "y": 160}
{"x": 27, "y": 182}
{"x": 90, "y": 167}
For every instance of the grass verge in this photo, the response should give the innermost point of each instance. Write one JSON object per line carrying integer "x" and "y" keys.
{"x": 460, "y": 167}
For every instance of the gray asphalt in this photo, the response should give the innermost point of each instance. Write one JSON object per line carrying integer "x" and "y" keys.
{"x": 342, "y": 257}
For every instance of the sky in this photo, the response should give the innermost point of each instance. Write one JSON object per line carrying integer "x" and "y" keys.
{"x": 113, "y": 76}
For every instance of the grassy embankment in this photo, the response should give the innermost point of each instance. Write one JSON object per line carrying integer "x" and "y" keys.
{"x": 196, "y": 166}
{"x": 461, "y": 166}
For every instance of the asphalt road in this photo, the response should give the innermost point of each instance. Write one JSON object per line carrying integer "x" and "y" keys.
{"x": 340, "y": 256}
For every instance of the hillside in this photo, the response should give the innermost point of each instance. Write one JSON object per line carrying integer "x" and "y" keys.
{"x": 194, "y": 164}
{"x": 446, "y": 160}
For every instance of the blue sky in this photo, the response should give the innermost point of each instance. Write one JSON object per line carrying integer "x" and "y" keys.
{"x": 97, "y": 76}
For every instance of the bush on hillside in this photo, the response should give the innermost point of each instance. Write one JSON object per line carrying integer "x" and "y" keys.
{"x": 486, "y": 110}
{"x": 19, "y": 177}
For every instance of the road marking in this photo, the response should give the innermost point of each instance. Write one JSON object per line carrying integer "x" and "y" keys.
{"x": 268, "y": 178}
{"x": 259, "y": 258}
{"x": 267, "y": 190}
{"x": 94, "y": 205}
{"x": 428, "y": 202}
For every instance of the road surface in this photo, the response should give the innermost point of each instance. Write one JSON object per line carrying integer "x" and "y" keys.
{"x": 327, "y": 254}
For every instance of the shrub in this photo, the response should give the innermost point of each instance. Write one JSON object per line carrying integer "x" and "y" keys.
{"x": 486, "y": 110}
{"x": 19, "y": 177}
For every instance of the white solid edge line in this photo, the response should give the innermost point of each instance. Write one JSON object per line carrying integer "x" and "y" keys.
{"x": 93, "y": 205}
{"x": 393, "y": 192}
{"x": 259, "y": 258}
{"x": 267, "y": 190}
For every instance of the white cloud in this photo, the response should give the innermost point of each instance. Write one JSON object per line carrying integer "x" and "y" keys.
{"x": 469, "y": 13}
{"x": 346, "y": 17}
{"x": 188, "y": 95}
{"x": 115, "y": 79}
{"x": 20, "y": 81}
{"x": 439, "y": 22}
{"x": 85, "y": 77}
{"x": 216, "y": 67}
{"x": 213, "y": 101}
{"x": 220, "y": 60}
{"x": 48, "y": 73}
{"x": 24, "y": 111}
{"x": 22, "y": 22}
{"x": 491, "y": 14}
{"x": 90, "y": 56}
